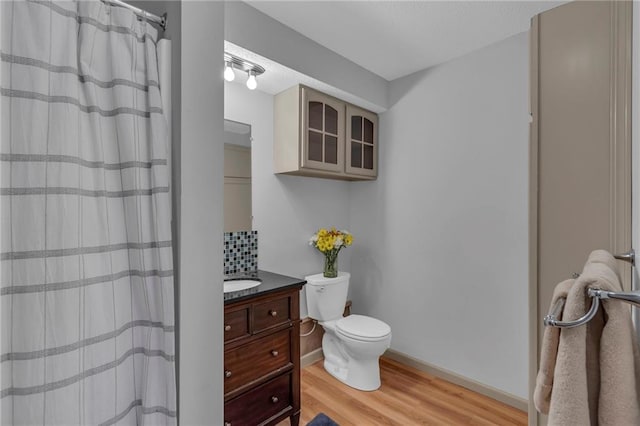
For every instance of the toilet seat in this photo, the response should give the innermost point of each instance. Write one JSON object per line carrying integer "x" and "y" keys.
{"x": 363, "y": 328}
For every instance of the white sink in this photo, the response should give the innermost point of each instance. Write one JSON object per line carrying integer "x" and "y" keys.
{"x": 237, "y": 285}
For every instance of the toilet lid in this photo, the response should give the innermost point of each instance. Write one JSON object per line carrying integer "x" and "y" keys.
{"x": 360, "y": 326}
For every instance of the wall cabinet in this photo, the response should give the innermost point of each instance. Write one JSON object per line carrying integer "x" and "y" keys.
{"x": 323, "y": 132}
{"x": 262, "y": 359}
{"x": 362, "y": 142}
{"x": 319, "y": 135}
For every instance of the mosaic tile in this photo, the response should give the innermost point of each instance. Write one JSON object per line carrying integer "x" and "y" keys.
{"x": 240, "y": 252}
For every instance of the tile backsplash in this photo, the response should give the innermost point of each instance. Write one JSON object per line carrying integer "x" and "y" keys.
{"x": 240, "y": 252}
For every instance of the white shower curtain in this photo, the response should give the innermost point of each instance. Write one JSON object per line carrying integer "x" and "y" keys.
{"x": 87, "y": 333}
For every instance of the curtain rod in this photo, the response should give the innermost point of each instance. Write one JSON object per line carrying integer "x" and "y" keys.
{"x": 160, "y": 20}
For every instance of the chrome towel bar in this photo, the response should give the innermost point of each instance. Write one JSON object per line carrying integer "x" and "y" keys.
{"x": 552, "y": 318}
{"x": 629, "y": 256}
{"x": 632, "y": 297}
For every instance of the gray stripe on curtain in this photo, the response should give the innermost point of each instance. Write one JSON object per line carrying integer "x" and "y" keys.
{"x": 66, "y": 285}
{"x": 21, "y": 356}
{"x": 39, "y": 254}
{"x": 90, "y": 21}
{"x": 145, "y": 410}
{"x": 83, "y": 78}
{"x": 73, "y": 101}
{"x": 82, "y": 192}
{"x": 47, "y": 387}
{"x": 17, "y": 158}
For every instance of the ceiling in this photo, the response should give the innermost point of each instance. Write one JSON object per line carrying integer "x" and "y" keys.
{"x": 396, "y": 38}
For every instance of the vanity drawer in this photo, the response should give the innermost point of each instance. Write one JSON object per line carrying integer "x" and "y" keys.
{"x": 259, "y": 404}
{"x": 271, "y": 313}
{"x": 236, "y": 324}
{"x": 249, "y": 362}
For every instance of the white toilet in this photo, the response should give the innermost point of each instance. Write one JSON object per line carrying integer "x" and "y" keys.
{"x": 352, "y": 345}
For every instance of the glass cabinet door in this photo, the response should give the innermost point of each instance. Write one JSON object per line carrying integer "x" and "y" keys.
{"x": 323, "y": 131}
{"x": 362, "y": 142}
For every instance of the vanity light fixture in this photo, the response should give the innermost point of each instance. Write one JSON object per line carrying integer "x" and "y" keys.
{"x": 252, "y": 83}
{"x": 229, "y": 74}
{"x": 234, "y": 62}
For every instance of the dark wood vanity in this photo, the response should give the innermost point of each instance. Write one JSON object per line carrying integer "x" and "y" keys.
{"x": 262, "y": 355}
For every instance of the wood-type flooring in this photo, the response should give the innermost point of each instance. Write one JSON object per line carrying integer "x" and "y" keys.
{"x": 407, "y": 397}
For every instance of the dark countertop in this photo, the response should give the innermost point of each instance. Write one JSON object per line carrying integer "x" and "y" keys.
{"x": 270, "y": 282}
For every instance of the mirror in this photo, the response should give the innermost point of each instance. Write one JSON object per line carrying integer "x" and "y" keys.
{"x": 237, "y": 176}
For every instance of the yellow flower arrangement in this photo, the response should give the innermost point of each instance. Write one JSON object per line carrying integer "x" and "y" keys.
{"x": 330, "y": 242}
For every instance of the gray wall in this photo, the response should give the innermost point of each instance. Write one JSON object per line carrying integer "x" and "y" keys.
{"x": 443, "y": 253}
{"x": 201, "y": 215}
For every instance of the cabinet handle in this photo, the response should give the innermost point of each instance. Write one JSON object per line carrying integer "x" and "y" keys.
{"x": 227, "y": 327}
{"x": 273, "y": 313}
{"x": 274, "y": 399}
{"x": 274, "y": 352}
{"x": 227, "y": 373}
{"x": 227, "y": 423}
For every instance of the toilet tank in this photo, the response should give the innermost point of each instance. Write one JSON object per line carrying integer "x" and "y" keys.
{"x": 326, "y": 297}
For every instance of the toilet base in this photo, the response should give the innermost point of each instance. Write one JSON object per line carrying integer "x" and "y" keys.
{"x": 362, "y": 377}
{"x": 361, "y": 374}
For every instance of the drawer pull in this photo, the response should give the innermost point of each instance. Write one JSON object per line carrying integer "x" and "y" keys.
{"x": 273, "y": 313}
{"x": 227, "y": 328}
{"x": 274, "y": 353}
{"x": 227, "y": 423}
{"x": 227, "y": 373}
{"x": 274, "y": 399}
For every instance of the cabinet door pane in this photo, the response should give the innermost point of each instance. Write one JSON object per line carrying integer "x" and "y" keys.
{"x": 315, "y": 146}
{"x": 356, "y": 127}
{"x": 356, "y": 154}
{"x": 368, "y": 157}
{"x": 330, "y": 149}
{"x": 315, "y": 115}
{"x": 368, "y": 131}
{"x": 330, "y": 120}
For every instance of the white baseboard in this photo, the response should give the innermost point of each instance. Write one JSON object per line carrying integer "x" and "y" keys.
{"x": 491, "y": 392}
{"x": 311, "y": 357}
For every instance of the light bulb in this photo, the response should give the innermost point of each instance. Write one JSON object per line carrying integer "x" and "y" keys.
{"x": 229, "y": 75}
{"x": 252, "y": 83}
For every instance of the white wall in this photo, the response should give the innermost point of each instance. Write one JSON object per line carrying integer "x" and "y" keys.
{"x": 201, "y": 274}
{"x": 287, "y": 210}
{"x": 443, "y": 244}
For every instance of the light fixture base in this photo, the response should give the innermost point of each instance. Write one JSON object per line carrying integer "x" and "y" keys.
{"x": 243, "y": 64}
